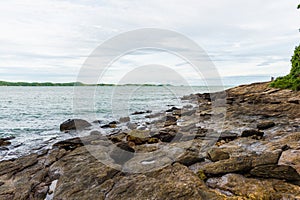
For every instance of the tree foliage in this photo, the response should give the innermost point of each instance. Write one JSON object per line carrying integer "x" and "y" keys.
{"x": 292, "y": 80}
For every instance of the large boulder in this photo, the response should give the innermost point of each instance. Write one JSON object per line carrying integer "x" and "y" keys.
{"x": 74, "y": 124}
{"x": 250, "y": 188}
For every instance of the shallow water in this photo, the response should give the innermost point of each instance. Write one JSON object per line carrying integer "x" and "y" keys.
{"x": 33, "y": 114}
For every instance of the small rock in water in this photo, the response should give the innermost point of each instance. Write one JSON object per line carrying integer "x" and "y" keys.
{"x": 4, "y": 142}
{"x": 112, "y": 124}
{"x": 141, "y": 112}
{"x": 74, "y": 124}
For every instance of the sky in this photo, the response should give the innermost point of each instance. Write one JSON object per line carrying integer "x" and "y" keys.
{"x": 50, "y": 40}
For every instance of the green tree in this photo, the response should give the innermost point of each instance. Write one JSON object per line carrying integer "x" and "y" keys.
{"x": 292, "y": 80}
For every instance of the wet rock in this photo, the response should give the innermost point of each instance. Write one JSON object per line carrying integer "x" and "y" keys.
{"x": 291, "y": 158}
{"x": 112, "y": 124}
{"x": 4, "y": 142}
{"x": 74, "y": 124}
{"x": 141, "y": 112}
{"x": 265, "y": 125}
{"x": 216, "y": 154}
{"x": 124, "y": 119}
{"x": 173, "y": 109}
{"x": 276, "y": 171}
{"x": 122, "y": 153}
{"x": 4, "y": 149}
{"x": 252, "y": 132}
{"x": 69, "y": 144}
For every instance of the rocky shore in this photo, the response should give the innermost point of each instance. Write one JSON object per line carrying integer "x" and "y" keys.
{"x": 251, "y": 150}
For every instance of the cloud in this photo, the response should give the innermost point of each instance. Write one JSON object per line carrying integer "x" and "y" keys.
{"x": 52, "y": 39}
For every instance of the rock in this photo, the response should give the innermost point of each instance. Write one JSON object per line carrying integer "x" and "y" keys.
{"x": 276, "y": 171}
{"x": 188, "y": 113}
{"x": 170, "y": 120}
{"x": 69, "y": 144}
{"x": 227, "y": 136}
{"x": 250, "y": 188}
{"x": 171, "y": 182}
{"x": 4, "y": 149}
{"x": 265, "y": 125}
{"x": 291, "y": 158}
{"x": 8, "y": 138}
{"x": 4, "y": 142}
{"x": 216, "y": 154}
{"x": 252, "y": 132}
{"x": 189, "y": 158}
{"x": 173, "y": 109}
{"x": 74, "y": 124}
{"x": 124, "y": 119}
{"x": 122, "y": 153}
{"x": 141, "y": 112}
{"x": 167, "y": 135}
{"x": 132, "y": 125}
{"x": 112, "y": 124}
{"x": 295, "y": 100}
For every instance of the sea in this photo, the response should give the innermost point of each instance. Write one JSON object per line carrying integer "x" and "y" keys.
{"x": 32, "y": 115}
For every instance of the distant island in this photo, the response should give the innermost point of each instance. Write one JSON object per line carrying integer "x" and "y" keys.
{"x": 5, "y": 83}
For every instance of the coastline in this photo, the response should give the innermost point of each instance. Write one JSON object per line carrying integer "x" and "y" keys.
{"x": 258, "y": 146}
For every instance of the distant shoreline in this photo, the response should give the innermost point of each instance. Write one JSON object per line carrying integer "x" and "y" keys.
{"x": 5, "y": 83}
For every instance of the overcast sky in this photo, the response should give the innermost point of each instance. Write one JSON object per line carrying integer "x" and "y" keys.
{"x": 47, "y": 40}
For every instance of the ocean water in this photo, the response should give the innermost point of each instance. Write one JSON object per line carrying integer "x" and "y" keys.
{"x": 33, "y": 114}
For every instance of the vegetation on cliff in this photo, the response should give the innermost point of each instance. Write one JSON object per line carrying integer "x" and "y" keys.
{"x": 292, "y": 80}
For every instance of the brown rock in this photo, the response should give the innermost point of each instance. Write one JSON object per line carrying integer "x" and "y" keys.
{"x": 276, "y": 171}
{"x": 216, "y": 154}
{"x": 265, "y": 125}
{"x": 74, "y": 124}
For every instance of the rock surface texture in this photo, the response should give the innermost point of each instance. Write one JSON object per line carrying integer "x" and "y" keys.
{"x": 178, "y": 155}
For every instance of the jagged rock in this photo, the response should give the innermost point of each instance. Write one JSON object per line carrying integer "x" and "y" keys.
{"x": 291, "y": 158}
{"x": 74, "y": 124}
{"x": 216, "y": 154}
{"x": 252, "y": 132}
{"x": 276, "y": 171}
{"x": 265, "y": 125}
